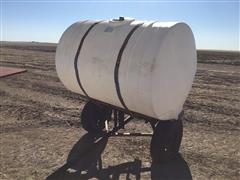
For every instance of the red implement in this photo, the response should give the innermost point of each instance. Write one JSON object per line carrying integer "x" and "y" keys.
{"x": 7, "y": 71}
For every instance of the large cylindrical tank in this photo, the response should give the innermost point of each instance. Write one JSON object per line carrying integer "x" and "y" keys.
{"x": 142, "y": 66}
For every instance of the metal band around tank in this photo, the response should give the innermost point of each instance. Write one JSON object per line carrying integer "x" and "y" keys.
{"x": 77, "y": 55}
{"x": 116, "y": 70}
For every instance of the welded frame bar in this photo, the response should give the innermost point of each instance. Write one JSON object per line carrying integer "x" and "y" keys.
{"x": 119, "y": 122}
{"x": 118, "y": 127}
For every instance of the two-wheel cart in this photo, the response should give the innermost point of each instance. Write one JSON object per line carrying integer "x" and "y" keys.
{"x": 166, "y": 136}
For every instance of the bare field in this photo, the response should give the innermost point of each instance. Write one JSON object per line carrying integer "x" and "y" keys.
{"x": 40, "y": 127}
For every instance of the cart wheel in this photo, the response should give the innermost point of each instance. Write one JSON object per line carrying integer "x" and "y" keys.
{"x": 166, "y": 140}
{"x": 93, "y": 117}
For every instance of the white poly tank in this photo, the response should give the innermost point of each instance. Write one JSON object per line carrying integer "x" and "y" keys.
{"x": 142, "y": 66}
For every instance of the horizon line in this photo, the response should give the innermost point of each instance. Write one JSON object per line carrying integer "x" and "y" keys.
{"x": 198, "y": 49}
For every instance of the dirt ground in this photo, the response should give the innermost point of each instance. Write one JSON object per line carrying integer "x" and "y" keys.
{"x": 40, "y": 129}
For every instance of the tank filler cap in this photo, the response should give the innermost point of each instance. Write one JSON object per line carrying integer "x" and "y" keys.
{"x": 121, "y": 20}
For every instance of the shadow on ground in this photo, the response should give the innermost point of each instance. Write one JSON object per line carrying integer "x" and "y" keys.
{"x": 84, "y": 162}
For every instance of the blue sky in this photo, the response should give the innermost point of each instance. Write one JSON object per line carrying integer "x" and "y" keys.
{"x": 214, "y": 24}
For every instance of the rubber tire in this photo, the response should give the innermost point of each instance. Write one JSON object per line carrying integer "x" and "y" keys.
{"x": 93, "y": 117}
{"x": 166, "y": 141}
